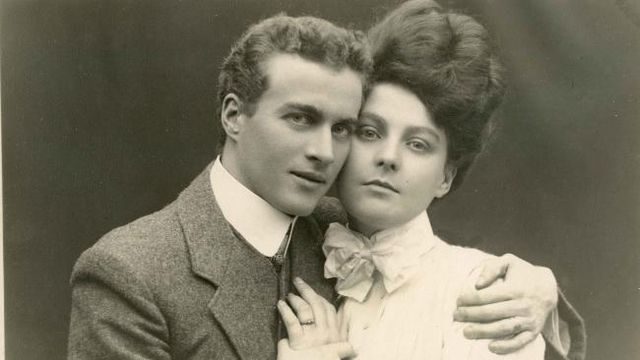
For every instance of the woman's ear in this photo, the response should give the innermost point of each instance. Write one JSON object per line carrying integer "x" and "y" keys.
{"x": 231, "y": 115}
{"x": 450, "y": 172}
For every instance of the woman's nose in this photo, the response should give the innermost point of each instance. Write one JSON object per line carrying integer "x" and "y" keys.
{"x": 387, "y": 157}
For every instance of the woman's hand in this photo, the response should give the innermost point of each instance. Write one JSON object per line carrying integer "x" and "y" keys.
{"x": 336, "y": 351}
{"x": 312, "y": 322}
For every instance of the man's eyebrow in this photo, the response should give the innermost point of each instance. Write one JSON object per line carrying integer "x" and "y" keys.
{"x": 351, "y": 121}
{"x": 305, "y": 108}
{"x": 312, "y": 111}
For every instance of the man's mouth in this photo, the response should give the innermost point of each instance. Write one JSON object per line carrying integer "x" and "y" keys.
{"x": 311, "y": 176}
{"x": 382, "y": 184}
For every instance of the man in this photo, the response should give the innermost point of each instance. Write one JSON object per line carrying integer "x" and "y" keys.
{"x": 200, "y": 278}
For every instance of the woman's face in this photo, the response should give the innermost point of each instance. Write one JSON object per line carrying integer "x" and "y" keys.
{"x": 397, "y": 164}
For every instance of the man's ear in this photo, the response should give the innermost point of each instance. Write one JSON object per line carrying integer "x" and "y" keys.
{"x": 450, "y": 172}
{"x": 231, "y": 115}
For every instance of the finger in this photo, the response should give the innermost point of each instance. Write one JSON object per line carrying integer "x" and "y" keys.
{"x": 492, "y": 294}
{"x": 507, "y": 346}
{"x": 492, "y": 270}
{"x": 342, "y": 349}
{"x": 302, "y": 308}
{"x": 314, "y": 300}
{"x": 283, "y": 346}
{"x": 498, "y": 329}
{"x": 491, "y": 312}
{"x": 291, "y": 322}
{"x": 332, "y": 322}
{"x": 343, "y": 323}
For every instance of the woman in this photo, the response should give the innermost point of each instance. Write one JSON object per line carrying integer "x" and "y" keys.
{"x": 435, "y": 84}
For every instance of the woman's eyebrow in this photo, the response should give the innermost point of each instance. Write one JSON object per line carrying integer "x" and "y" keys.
{"x": 379, "y": 120}
{"x": 424, "y": 129}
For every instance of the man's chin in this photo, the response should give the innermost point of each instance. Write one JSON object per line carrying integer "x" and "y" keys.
{"x": 301, "y": 207}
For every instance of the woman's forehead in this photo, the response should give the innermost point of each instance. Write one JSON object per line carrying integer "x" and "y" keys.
{"x": 394, "y": 104}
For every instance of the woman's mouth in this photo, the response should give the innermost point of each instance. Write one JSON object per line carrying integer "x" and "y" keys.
{"x": 382, "y": 184}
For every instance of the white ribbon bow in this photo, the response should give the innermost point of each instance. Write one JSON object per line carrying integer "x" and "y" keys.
{"x": 352, "y": 258}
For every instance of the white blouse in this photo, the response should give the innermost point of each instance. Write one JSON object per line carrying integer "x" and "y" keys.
{"x": 415, "y": 321}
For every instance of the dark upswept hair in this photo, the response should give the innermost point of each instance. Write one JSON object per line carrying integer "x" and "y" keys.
{"x": 447, "y": 61}
{"x": 309, "y": 37}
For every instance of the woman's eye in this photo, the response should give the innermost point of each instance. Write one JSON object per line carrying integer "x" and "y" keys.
{"x": 368, "y": 133}
{"x": 419, "y": 145}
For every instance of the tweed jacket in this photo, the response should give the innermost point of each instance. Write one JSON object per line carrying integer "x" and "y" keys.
{"x": 178, "y": 284}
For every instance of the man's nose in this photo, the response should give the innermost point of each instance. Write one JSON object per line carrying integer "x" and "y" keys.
{"x": 320, "y": 146}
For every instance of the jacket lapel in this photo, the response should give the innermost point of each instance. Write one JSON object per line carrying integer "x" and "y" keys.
{"x": 307, "y": 258}
{"x": 244, "y": 301}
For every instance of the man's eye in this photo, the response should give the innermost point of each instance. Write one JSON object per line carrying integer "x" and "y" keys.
{"x": 342, "y": 130}
{"x": 299, "y": 119}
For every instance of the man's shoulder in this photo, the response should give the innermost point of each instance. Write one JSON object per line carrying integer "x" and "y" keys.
{"x": 156, "y": 240}
{"x": 144, "y": 244}
{"x": 329, "y": 210}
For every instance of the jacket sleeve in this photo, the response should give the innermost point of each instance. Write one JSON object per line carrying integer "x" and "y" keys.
{"x": 565, "y": 333}
{"x": 113, "y": 315}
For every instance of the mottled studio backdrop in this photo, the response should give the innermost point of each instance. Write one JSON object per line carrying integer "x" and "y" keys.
{"x": 108, "y": 112}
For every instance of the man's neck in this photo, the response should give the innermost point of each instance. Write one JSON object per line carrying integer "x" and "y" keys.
{"x": 262, "y": 225}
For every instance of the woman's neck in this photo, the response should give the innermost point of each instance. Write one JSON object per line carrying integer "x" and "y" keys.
{"x": 370, "y": 228}
{"x": 363, "y": 228}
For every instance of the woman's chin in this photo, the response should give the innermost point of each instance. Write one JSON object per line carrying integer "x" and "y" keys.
{"x": 368, "y": 222}
{"x": 370, "y": 212}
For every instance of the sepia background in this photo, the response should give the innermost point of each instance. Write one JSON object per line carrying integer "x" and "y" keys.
{"x": 108, "y": 112}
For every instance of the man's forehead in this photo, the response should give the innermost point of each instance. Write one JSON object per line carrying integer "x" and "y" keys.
{"x": 285, "y": 66}
{"x": 293, "y": 79}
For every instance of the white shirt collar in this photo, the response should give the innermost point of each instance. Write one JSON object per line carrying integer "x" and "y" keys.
{"x": 418, "y": 225}
{"x": 262, "y": 225}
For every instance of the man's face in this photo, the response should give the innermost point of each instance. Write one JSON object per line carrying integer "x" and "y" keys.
{"x": 291, "y": 149}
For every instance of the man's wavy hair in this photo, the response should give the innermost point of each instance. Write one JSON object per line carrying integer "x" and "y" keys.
{"x": 311, "y": 38}
{"x": 447, "y": 61}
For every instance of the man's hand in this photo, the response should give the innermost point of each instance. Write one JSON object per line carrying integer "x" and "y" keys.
{"x": 335, "y": 351}
{"x": 510, "y": 303}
